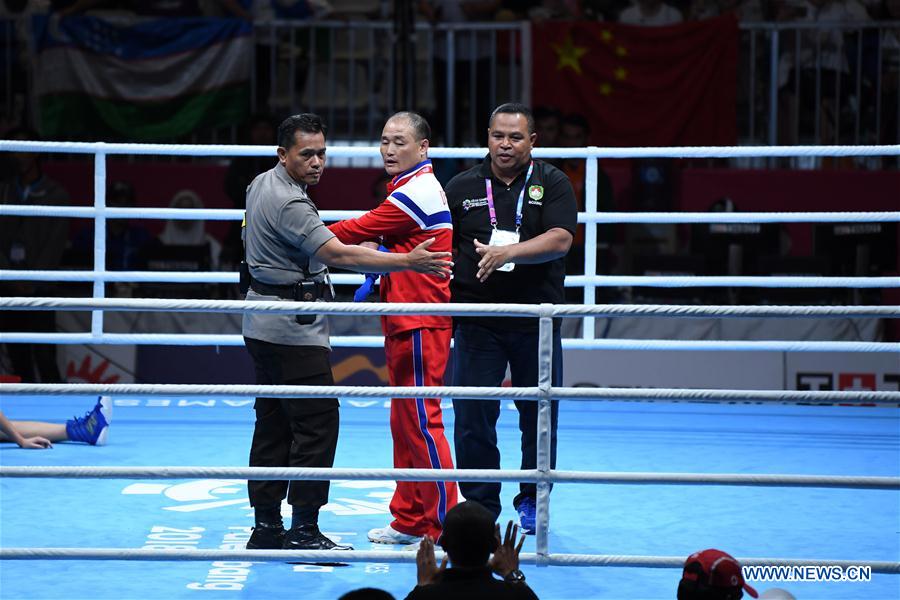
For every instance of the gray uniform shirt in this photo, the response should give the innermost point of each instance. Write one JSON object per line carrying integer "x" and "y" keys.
{"x": 282, "y": 233}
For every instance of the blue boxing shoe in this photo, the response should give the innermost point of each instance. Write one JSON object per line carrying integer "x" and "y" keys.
{"x": 527, "y": 515}
{"x": 93, "y": 427}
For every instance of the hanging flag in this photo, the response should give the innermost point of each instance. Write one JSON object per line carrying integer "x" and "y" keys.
{"x": 641, "y": 86}
{"x": 140, "y": 79}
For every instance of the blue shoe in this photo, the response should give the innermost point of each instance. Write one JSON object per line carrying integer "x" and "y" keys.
{"x": 93, "y": 427}
{"x": 526, "y": 510}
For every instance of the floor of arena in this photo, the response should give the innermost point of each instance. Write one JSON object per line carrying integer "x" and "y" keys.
{"x": 610, "y": 519}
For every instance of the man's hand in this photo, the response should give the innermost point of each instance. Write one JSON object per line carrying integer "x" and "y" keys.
{"x": 492, "y": 258}
{"x": 432, "y": 263}
{"x": 35, "y": 443}
{"x": 426, "y": 565}
{"x": 506, "y": 557}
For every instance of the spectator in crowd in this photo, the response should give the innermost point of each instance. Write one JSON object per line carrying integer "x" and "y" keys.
{"x": 92, "y": 428}
{"x": 547, "y": 121}
{"x": 545, "y": 10}
{"x": 126, "y": 240}
{"x": 258, "y": 131}
{"x": 823, "y": 66}
{"x": 31, "y": 243}
{"x": 890, "y": 84}
{"x": 603, "y": 10}
{"x": 189, "y": 232}
{"x": 470, "y": 536}
{"x": 367, "y": 594}
{"x": 575, "y": 132}
{"x": 653, "y": 13}
{"x": 744, "y": 10}
{"x": 712, "y": 575}
{"x": 513, "y": 223}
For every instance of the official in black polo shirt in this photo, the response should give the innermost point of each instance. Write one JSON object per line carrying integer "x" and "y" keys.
{"x": 513, "y": 223}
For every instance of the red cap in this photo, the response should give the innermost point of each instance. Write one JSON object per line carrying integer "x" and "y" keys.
{"x": 718, "y": 569}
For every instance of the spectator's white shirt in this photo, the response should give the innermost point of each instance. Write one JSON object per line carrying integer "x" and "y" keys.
{"x": 666, "y": 15}
{"x": 831, "y": 41}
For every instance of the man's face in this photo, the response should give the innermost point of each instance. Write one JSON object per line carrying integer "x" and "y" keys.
{"x": 305, "y": 160}
{"x": 400, "y": 150}
{"x": 547, "y": 130}
{"x": 24, "y": 160}
{"x": 509, "y": 142}
{"x": 573, "y": 136}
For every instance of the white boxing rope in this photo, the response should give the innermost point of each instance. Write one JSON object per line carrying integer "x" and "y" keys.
{"x": 123, "y": 276}
{"x": 502, "y": 475}
{"x": 89, "y": 212}
{"x": 373, "y": 151}
{"x": 690, "y": 281}
{"x": 469, "y": 309}
{"x": 772, "y": 281}
{"x": 202, "y": 339}
{"x": 456, "y": 392}
{"x": 230, "y": 214}
{"x": 740, "y": 217}
{"x": 359, "y": 556}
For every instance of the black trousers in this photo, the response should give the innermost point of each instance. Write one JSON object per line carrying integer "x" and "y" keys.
{"x": 480, "y": 357}
{"x": 292, "y": 432}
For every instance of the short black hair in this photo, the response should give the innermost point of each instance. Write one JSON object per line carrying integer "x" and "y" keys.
{"x": 23, "y": 131}
{"x": 418, "y": 122}
{"x": 514, "y": 108}
{"x": 367, "y": 594}
{"x": 547, "y": 112}
{"x": 120, "y": 193}
{"x": 469, "y": 536}
{"x": 304, "y": 122}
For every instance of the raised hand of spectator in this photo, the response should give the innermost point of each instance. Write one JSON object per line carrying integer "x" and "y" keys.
{"x": 426, "y": 565}
{"x": 506, "y": 557}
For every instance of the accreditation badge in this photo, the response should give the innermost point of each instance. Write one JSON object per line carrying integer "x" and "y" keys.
{"x": 501, "y": 237}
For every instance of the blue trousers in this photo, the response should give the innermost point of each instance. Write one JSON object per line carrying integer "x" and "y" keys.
{"x": 480, "y": 357}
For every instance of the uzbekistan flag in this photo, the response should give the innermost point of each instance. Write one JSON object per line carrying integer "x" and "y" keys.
{"x": 140, "y": 79}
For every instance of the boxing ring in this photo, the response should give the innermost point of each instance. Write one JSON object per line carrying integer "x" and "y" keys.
{"x": 774, "y": 477}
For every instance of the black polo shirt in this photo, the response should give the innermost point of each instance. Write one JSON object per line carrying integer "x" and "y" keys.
{"x": 548, "y": 202}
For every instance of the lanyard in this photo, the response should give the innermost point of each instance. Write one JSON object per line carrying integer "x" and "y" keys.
{"x": 490, "y": 199}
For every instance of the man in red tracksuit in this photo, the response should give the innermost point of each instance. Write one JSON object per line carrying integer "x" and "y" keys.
{"x": 416, "y": 346}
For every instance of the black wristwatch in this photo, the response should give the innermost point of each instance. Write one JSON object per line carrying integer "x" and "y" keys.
{"x": 515, "y": 576}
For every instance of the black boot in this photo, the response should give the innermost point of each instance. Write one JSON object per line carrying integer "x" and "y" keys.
{"x": 266, "y": 537}
{"x": 308, "y": 537}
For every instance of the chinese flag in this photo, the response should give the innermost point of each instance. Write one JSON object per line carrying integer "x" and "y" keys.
{"x": 641, "y": 86}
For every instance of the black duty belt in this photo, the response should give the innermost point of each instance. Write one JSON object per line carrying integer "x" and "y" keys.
{"x": 302, "y": 291}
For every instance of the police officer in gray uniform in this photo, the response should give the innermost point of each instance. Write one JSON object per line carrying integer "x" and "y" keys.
{"x": 288, "y": 249}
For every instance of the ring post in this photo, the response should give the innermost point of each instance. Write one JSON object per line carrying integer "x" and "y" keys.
{"x": 99, "y": 238}
{"x": 545, "y": 370}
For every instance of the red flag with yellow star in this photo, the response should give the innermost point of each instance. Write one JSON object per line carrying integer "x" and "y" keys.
{"x": 641, "y": 86}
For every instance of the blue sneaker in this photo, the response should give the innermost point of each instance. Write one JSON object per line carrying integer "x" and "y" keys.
{"x": 93, "y": 427}
{"x": 526, "y": 510}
